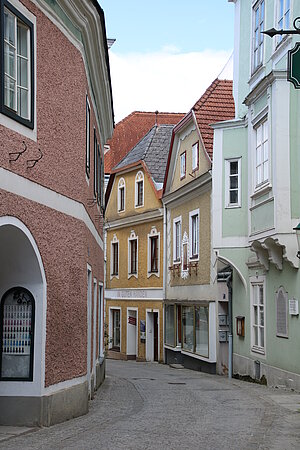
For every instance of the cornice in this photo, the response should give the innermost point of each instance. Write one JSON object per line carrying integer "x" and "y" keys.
{"x": 196, "y": 187}
{"x": 263, "y": 85}
{"x": 148, "y": 216}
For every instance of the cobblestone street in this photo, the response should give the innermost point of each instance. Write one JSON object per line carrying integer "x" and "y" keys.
{"x": 154, "y": 406}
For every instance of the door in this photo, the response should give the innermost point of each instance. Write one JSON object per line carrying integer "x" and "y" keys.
{"x": 131, "y": 334}
{"x": 155, "y": 336}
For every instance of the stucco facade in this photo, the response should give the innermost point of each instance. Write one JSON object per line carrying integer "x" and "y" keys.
{"x": 51, "y": 224}
{"x": 254, "y": 235}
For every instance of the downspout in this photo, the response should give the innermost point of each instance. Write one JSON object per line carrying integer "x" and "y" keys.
{"x": 165, "y": 267}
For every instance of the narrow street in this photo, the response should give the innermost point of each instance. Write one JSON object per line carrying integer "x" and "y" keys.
{"x": 154, "y": 406}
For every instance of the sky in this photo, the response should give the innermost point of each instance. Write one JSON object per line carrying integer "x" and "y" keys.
{"x": 167, "y": 52}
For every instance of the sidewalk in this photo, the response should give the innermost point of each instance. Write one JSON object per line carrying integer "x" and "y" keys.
{"x": 10, "y": 432}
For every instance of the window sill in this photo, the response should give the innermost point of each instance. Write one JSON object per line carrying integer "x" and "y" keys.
{"x": 261, "y": 190}
{"x": 156, "y": 274}
{"x": 233, "y": 206}
{"x": 130, "y": 275}
{"x": 259, "y": 350}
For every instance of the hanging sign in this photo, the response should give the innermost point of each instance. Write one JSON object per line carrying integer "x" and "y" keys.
{"x": 294, "y": 66}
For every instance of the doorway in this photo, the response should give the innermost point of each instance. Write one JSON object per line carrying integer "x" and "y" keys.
{"x": 132, "y": 350}
{"x": 152, "y": 335}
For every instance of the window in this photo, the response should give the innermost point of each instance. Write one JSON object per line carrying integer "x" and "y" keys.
{"x": 116, "y": 313}
{"x": 283, "y": 17}
{"x": 233, "y": 182}
{"x": 258, "y": 315}
{"x": 182, "y": 165}
{"x": 201, "y": 330}
{"x": 185, "y": 253}
{"x": 154, "y": 254}
{"x": 177, "y": 239}
{"x": 133, "y": 256}
{"x": 139, "y": 189}
{"x": 115, "y": 257}
{"x": 194, "y": 234}
{"x": 17, "y": 335}
{"x": 195, "y": 157}
{"x": 178, "y": 326}
{"x": 17, "y": 70}
{"x": 258, "y": 37}
{"x": 170, "y": 325}
{"x": 188, "y": 328}
{"x": 121, "y": 195}
{"x": 88, "y": 139}
{"x": 281, "y": 313}
{"x": 262, "y": 154}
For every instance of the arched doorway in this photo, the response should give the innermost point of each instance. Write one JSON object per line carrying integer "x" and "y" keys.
{"x": 23, "y": 307}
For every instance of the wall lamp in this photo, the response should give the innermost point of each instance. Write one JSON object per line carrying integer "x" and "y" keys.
{"x": 297, "y": 229}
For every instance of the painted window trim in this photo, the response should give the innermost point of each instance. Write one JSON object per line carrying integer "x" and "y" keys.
{"x": 266, "y": 183}
{"x": 133, "y": 237}
{"x": 153, "y": 233}
{"x": 192, "y": 257}
{"x": 280, "y": 39}
{"x": 112, "y": 274}
{"x": 175, "y": 221}
{"x": 29, "y": 123}
{"x": 195, "y": 145}
{"x": 121, "y": 185}
{"x": 255, "y": 5}
{"x": 139, "y": 178}
{"x": 229, "y": 205}
{"x": 88, "y": 138}
{"x": 183, "y": 175}
{"x": 254, "y": 281}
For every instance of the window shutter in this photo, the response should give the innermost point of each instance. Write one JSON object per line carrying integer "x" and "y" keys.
{"x": 281, "y": 314}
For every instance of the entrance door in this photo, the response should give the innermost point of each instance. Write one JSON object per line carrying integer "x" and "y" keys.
{"x": 152, "y": 336}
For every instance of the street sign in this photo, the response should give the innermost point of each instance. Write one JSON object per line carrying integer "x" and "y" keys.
{"x": 294, "y": 66}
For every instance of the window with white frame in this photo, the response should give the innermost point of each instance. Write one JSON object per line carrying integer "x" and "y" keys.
{"x": 177, "y": 239}
{"x": 182, "y": 165}
{"x": 139, "y": 189}
{"x": 258, "y": 37}
{"x": 283, "y": 17}
{"x": 17, "y": 70}
{"x": 194, "y": 234}
{"x": 232, "y": 182}
{"x": 195, "y": 156}
{"x": 114, "y": 257}
{"x": 132, "y": 254}
{"x": 262, "y": 154}
{"x": 153, "y": 252}
{"x": 121, "y": 195}
{"x": 258, "y": 315}
{"x": 88, "y": 138}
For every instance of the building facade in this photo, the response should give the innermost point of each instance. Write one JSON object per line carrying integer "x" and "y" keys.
{"x": 134, "y": 250}
{"x": 190, "y": 305}
{"x": 55, "y": 117}
{"x": 256, "y": 196}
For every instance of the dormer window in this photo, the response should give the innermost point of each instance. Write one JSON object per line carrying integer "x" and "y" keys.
{"x": 121, "y": 195}
{"x": 139, "y": 189}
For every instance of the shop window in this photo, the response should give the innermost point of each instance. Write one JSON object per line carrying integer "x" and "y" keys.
{"x": 201, "y": 330}
{"x": 170, "y": 325}
{"x": 188, "y": 328}
{"x": 17, "y": 336}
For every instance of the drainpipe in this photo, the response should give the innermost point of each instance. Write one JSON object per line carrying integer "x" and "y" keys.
{"x": 165, "y": 269}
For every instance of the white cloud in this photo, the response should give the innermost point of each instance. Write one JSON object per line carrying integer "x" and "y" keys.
{"x": 167, "y": 81}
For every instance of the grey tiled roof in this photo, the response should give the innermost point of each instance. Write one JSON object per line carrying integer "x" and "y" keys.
{"x": 153, "y": 149}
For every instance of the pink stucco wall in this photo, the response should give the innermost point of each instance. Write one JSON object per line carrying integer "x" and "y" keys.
{"x": 65, "y": 244}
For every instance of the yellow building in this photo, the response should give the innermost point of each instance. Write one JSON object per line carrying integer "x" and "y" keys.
{"x": 134, "y": 250}
{"x": 191, "y": 299}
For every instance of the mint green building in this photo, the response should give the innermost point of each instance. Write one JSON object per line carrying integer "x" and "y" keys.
{"x": 256, "y": 196}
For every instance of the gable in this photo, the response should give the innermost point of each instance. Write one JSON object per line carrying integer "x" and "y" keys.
{"x": 150, "y": 195}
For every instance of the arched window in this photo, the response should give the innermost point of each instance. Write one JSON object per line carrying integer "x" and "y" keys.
{"x": 121, "y": 195}
{"x": 139, "y": 189}
{"x": 17, "y": 335}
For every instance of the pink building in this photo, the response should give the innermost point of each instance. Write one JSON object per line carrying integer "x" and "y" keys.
{"x": 55, "y": 117}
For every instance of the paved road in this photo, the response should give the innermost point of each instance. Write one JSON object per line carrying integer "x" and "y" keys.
{"x": 152, "y": 406}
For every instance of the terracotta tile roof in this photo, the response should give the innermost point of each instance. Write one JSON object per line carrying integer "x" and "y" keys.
{"x": 215, "y": 105}
{"x": 129, "y": 131}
